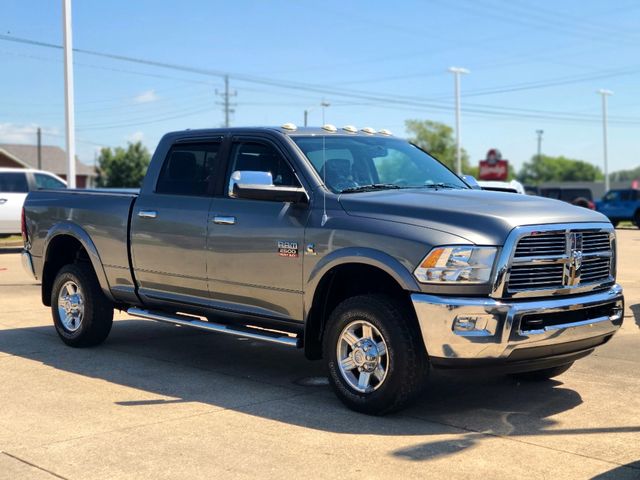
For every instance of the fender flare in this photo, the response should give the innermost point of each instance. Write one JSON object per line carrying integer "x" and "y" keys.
{"x": 363, "y": 256}
{"x": 73, "y": 230}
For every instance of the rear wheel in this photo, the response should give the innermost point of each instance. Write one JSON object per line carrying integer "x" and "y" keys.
{"x": 81, "y": 313}
{"x": 375, "y": 356}
{"x": 542, "y": 375}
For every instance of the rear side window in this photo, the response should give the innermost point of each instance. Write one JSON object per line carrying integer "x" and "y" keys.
{"x": 190, "y": 170}
{"x": 47, "y": 181}
{"x": 13, "y": 182}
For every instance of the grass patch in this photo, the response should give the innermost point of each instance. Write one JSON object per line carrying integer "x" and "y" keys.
{"x": 12, "y": 241}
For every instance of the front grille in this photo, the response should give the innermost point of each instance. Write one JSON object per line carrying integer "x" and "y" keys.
{"x": 552, "y": 260}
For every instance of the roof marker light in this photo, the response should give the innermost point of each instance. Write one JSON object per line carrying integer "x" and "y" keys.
{"x": 386, "y": 132}
{"x": 290, "y": 126}
{"x": 329, "y": 128}
{"x": 368, "y": 130}
{"x": 350, "y": 129}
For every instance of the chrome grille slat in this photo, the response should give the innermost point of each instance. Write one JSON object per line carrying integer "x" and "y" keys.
{"x": 560, "y": 259}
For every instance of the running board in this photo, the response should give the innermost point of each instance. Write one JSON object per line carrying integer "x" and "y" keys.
{"x": 188, "y": 321}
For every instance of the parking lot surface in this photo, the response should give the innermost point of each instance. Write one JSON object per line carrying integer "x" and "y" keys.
{"x": 158, "y": 401}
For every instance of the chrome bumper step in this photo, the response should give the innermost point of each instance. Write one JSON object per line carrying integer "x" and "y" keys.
{"x": 280, "y": 338}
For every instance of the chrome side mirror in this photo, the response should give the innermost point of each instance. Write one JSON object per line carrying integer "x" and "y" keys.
{"x": 255, "y": 185}
{"x": 471, "y": 181}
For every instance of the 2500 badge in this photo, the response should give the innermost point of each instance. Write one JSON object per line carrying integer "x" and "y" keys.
{"x": 287, "y": 249}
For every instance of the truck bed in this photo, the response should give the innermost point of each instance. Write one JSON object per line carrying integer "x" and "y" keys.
{"x": 99, "y": 217}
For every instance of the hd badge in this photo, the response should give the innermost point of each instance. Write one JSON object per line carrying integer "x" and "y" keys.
{"x": 287, "y": 249}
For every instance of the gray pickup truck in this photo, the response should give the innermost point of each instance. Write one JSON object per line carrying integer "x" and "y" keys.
{"x": 353, "y": 245}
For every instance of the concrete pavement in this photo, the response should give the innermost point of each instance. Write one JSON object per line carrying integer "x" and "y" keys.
{"x": 157, "y": 401}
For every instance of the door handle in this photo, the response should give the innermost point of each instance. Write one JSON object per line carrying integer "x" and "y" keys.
{"x": 147, "y": 214}
{"x": 224, "y": 220}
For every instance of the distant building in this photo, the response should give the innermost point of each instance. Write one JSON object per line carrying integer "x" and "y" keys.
{"x": 54, "y": 160}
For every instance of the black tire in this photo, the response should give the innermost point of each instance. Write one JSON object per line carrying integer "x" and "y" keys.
{"x": 636, "y": 218}
{"x": 542, "y": 375}
{"x": 614, "y": 222}
{"x": 97, "y": 317}
{"x": 407, "y": 361}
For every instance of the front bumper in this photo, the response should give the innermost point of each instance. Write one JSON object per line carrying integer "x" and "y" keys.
{"x": 471, "y": 332}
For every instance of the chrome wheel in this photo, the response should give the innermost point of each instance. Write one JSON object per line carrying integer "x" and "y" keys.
{"x": 70, "y": 306}
{"x": 362, "y": 356}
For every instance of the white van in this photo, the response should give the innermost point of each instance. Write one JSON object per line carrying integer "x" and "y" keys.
{"x": 15, "y": 184}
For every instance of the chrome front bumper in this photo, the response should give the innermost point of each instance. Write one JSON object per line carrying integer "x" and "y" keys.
{"x": 464, "y": 331}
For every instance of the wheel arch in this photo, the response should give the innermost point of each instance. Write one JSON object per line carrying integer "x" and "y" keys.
{"x": 68, "y": 243}
{"x": 346, "y": 273}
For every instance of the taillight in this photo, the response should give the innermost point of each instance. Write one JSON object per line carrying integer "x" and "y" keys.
{"x": 23, "y": 227}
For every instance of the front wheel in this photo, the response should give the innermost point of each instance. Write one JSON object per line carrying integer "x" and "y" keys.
{"x": 375, "y": 354}
{"x": 81, "y": 313}
{"x": 542, "y": 375}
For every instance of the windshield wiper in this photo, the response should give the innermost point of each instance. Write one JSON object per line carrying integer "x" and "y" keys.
{"x": 443, "y": 185}
{"x": 371, "y": 187}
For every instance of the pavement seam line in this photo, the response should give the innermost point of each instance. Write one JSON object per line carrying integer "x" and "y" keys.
{"x": 517, "y": 440}
{"x": 10, "y": 455}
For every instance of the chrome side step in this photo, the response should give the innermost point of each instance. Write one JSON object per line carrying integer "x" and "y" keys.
{"x": 189, "y": 321}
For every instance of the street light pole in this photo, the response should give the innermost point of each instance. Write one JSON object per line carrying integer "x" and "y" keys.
{"x": 68, "y": 94}
{"x": 539, "y": 132}
{"x": 457, "y": 71}
{"x": 605, "y": 93}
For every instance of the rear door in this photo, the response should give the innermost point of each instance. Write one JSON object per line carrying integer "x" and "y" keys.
{"x": 255, "y": 247}
{"x": 14, "y": 188}
{"x": 169, "y": 226}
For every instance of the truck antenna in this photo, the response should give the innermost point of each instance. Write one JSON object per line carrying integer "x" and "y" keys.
{"x": 324, "y": 180}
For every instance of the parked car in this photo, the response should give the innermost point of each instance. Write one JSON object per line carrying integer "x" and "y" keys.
{"x": 621, "y": 205}
{"x": 15, "y": 184}
{"x": 355, "y": 246}
{"x": 581, "y": 197}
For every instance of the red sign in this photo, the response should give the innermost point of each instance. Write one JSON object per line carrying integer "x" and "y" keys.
{"x": 493, "y": 167}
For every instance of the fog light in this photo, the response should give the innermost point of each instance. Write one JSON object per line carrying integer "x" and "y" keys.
{"x": 474, "y": 325}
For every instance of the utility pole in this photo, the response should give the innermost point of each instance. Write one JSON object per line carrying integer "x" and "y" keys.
{"x": 323, "y": 104}
{"x": 227, "y": 106}
{"x": 539, "y": 132}
{"x": 457, "y": 71}
{"x": 70, "y": 133}
{"x": 39, "y": 148}
{"x": 605, "y": 94}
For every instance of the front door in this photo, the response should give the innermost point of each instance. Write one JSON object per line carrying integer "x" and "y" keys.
{"x": 255, "y": 247}
{"x": 169, "y": 227}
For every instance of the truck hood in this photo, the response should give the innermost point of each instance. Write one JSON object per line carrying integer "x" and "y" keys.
{"x": 481, "y": 217}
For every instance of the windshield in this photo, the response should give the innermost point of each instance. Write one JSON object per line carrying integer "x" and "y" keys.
{"x": 353, "y": 164}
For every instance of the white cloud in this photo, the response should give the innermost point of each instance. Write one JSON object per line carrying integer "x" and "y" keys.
{"x": 135, "y": 137}
{"x": 146, "y": 97}
{"x": 12, "y": 133}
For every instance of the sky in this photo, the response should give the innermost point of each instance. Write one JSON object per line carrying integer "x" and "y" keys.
{"x": 533, "y": 66}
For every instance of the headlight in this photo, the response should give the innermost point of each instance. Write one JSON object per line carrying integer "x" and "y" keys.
{"x": 462, "y": 264}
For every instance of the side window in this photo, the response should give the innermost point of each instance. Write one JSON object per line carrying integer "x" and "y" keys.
{"x": 626, "y": 195}
{"x": 189, "y": 170}
{"x": 611, "y": 196}
{"x": 13, "y": 182}
{"x": 47, "y": 181}
{"x": 262, "y": 157}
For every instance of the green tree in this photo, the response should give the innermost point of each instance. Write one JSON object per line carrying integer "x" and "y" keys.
{"x": 437, "y": 139}
{"x": 122, "y": 168}
{"x": 557, "y": 169}
{"x": 625, "y": 175}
